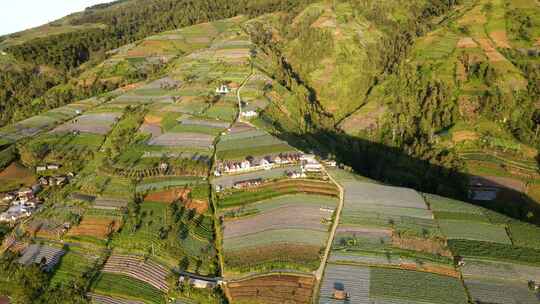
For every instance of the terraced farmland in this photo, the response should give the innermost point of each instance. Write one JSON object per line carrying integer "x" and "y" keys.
{"x": 74, "y": 264}
{"x": 351, "y": 279}
{"x": 242, "y": 141}
{"x": 403, "y": 285}
{"x": 124, "y": 287}
{"x": 283, "y": 232}
{"x": 272, "y": 289}
{"x": 137, "y": 268}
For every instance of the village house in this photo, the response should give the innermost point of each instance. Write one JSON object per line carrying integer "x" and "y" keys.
{"x": 248, "y": 183}
{"x": 198, "y": 283}
{"x": 223, "y": 89}
{"x": 249, "y": 114}
{"x": 53, "y": 167}
{"x": 251, "y": 164}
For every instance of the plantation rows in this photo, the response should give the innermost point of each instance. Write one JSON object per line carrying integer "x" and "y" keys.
{"x": 99, "y": 299}
{"x": 275, "y": 189}
{"x": 120, "y": 286}
{"x": 154, "y": 172}
{"x": 146, "y": 271}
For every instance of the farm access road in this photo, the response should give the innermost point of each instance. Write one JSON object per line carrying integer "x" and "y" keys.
{"x": 319, "y": 272}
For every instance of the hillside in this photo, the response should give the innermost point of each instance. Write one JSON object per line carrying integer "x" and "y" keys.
{"x": 271, "y": 151}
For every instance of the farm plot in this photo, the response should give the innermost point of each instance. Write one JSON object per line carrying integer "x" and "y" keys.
{"x": 99, "y": 123}
{"x": 202, "y": 122}
{"x": 36, "y": 124}
{"x": 27, "y": 128}
{"x": 15, "y": 176}
{"x": 98, "y": 227}
{"x": 108, "y": 203}
{"x": 497, "y": 292}
{"x": 272, "y": 289}
{"x": 455, "y": 229}
{"x": 138, "y": 268}
{"x": 373, "y": 205}
{"x": 367, "y": 194}
{"x": 168, "y": 196}
{"x": 154, "y": 184}
{"x": 125, "y": 287}
{"x": 101, "y": 299}
{"x": 388, "y": 284}
{"x": 73, "y": 265}
{"x": 235, "y": 145}
{"x": 354, "y": 280}
{"x": 276, "y": 238}
{"x": 41, "y": 254}
{"x": 197, "y": 140}
{"x": 287, "y": 212}
{"x": 171, "y": 234}
{"x": 485, "y": 269}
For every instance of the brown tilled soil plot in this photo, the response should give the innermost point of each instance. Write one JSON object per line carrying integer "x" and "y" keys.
{"x": 272, "y": 289}
{"x": 199, "y": 206}
{"x": 152, "y": 119}
{"x": 501, "y": 39}
{"x": 168, "y": 196}
{"x": 17, "y": 173}
{"x": 491, "y": 52}
{"x": 96, "y": 227}
{"x": 466, "y": 43}
{"x": 422, "y": 245}
{"x": 464, "y": 135}
{"x": 442, "y": 270}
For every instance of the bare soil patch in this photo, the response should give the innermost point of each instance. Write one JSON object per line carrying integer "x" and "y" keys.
{"x": 17, "y": 173}
{"x": 272, "y": 289}
{"x": 464, "y": 135}
{"x": 438, "y": 269}
{"x": 200, "y": 206}
{"x": 153, "y": 119}
{"x": 491, "y": 52}
{"x": 168, "y": 196}
{"x": 501, "y": 39}
{"x": 422, "y": 245}
{"x": 96, "y": 227}
{"x": 466, "y": 43}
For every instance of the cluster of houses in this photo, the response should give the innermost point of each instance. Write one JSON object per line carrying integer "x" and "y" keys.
{"x": 58, "y": 180}
{"x": 22, "y": 203}
{"x": 252, "y": 164}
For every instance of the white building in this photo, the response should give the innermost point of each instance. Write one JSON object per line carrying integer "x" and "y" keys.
{"x": 250, "y": 114}
{"x": 53, "y": 167}
{"x": 223, "y": 89}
